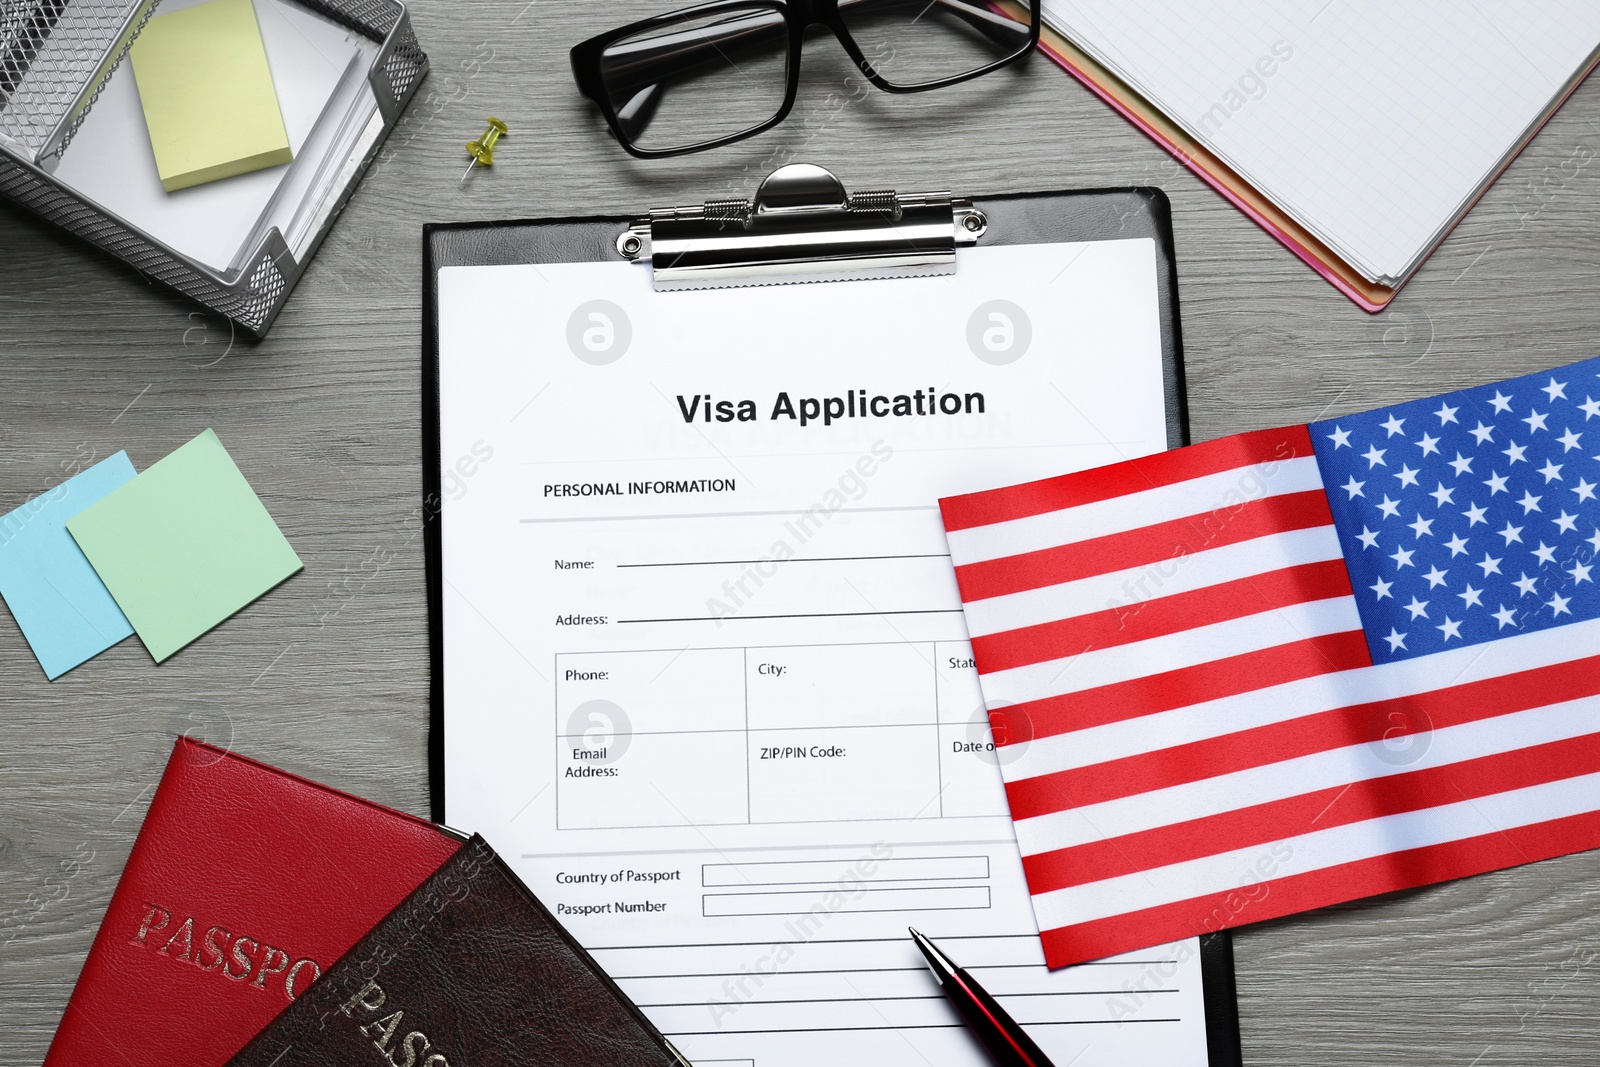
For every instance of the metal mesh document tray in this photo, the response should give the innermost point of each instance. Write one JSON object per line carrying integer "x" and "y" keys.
{"x": 57, "y": 57}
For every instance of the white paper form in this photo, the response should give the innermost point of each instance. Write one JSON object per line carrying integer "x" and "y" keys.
{"x": 707, "y": 683}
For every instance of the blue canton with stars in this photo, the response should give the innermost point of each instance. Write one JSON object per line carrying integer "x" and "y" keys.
{"x": 1472, "y": 515}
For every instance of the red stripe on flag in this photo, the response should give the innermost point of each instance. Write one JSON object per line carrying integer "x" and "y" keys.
{"x": 1335, "y": 806}
{"x": 1263, "y": 897}
{"x": 1162, "y": 616}
{"x": 1303, "y": 736}
{"x": 1181, "y": 687}
{"x": 1120, "y": 479}
{"x": 1152, "y": 545}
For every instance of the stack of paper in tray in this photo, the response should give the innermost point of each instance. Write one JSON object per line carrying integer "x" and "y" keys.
{"x": 232, "y": 116}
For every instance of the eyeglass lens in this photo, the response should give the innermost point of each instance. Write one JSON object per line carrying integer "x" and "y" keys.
{"x": 914, "y": 42}
{"x": 699, "y": 79}
{"x": 702, "y": 78}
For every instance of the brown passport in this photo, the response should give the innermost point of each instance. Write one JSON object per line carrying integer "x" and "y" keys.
{"x": 470, "y": 969}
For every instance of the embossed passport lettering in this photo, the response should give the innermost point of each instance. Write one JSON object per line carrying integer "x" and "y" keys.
{"x": 470, "y": 969}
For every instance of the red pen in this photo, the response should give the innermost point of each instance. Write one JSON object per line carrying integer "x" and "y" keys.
{"x": 1008, "y": 1045}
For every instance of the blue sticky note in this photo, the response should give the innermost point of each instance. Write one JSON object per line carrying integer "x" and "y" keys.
{"x": 62, "y": 607}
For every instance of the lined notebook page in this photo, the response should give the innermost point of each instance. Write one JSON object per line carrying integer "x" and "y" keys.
{"x": 1373, "y": 123}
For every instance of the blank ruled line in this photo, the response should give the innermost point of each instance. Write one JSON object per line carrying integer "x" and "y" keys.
{"x": 867, "y": 940}
{"x": 920, "y": 996}
{"x": 801, "y": 1000}
{"x": 727, "y": 514}
{"x": 816, "y": 559}
{"x": 801, "y": 615}
{"x": 814, "y": 941}
{"x": 834, "y": 970}
{"x": 913, "y": 1026}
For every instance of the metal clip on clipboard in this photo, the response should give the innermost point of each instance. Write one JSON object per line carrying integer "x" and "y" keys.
{"x": 802, "y": 227}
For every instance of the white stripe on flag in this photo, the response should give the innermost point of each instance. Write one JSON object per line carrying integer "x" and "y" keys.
{"x": 1138, "y": 659}
{"x": 1159, "y": 578}
{"x": 1118, "y": 514}
{"x": 1304, "y": 774}
{"x": 1318, "y": 850}
{"x": 1307, "y": 696}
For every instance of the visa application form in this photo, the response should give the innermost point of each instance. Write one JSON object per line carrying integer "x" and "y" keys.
{"x": 707, "y": 682}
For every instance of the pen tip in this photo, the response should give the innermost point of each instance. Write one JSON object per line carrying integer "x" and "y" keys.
{"x": 937, "y": 960}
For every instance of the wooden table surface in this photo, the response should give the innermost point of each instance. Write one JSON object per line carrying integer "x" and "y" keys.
{"x": 328, "y": 675}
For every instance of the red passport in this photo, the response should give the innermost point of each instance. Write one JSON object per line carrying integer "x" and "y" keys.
{"x": 244, "y": 885}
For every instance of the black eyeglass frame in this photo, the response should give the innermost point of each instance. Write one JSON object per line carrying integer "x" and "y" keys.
{"x": 798, "y": 15}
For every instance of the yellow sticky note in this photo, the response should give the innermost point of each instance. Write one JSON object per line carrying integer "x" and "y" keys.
{"x": 207, "y": 94}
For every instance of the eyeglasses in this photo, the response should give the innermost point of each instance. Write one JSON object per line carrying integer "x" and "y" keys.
{"x": 720, "y": 72}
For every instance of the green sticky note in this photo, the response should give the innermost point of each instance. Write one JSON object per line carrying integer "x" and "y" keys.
{"x": 207, "y": 94}
{"x": 183, "y": 545}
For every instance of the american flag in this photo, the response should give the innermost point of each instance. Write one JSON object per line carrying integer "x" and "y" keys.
{"x": 1298, "y": 666}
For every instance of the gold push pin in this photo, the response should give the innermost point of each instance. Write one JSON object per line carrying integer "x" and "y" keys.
{"x": 482, "y": 150}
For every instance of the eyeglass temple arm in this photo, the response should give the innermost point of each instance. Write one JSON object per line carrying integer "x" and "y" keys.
{"x": 630, "y": 67}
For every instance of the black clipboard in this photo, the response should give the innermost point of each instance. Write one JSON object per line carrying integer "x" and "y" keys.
{"x": 1016, "y": 218}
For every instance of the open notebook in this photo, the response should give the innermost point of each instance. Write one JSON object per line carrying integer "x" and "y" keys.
{"x": 1369, "y": 128}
